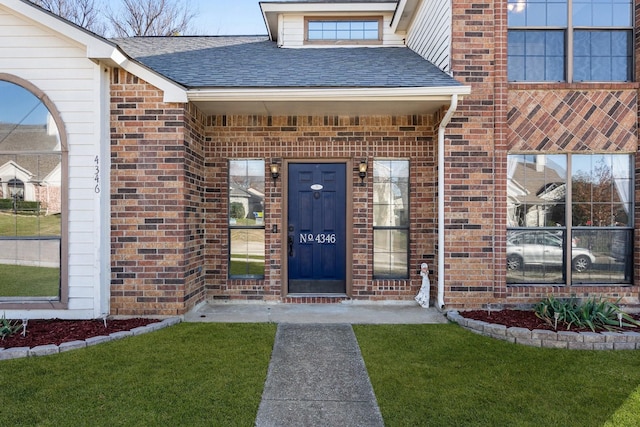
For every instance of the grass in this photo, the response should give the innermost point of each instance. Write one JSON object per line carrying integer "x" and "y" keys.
{"x": 242, "y": 268}
{"x": 213, "y": 374}
{"x": 443, "y": 375}
{"x": 25, "y": 281}
{"x": 29, "y": 225}
{"x": 195, "y": 374}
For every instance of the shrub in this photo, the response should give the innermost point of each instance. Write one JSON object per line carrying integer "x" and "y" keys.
{"x": 237, "y": 210}
{"x": 8, "y": 327}
{"x": 19, "y": 206}
{"x": 593, "y": 314}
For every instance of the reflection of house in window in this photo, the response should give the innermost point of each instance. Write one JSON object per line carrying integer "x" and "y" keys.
{"x": 537, "y": 192}
{"x": 31, "y": 177}
{"x": 246, "y": 203}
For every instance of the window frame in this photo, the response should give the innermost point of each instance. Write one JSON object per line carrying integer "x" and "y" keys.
{"x": 232, "y": 227}
{"x": 569, "y": 45}
{"x": 404, "y": 228}
{"x": 573, "y": 235}
{"x": 61, "y": 302}
{"x": 378, "y": 19}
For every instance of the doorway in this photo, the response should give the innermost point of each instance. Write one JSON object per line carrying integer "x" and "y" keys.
{"x": 316, "y": 245}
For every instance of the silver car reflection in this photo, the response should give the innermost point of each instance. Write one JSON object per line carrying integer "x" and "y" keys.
{"x": 545, "y": 249}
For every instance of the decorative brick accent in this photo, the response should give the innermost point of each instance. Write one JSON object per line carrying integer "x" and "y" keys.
{"x": 569, "y": 120}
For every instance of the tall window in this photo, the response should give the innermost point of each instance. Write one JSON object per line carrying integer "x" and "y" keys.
{"x": 570, "y": 40}
{"x": 571, "y": 211}
{"x": 352, "y": 30}
{"x": 246, "y": 219}
{"x": 391, "y": 219}
{"x": 31, "y": 212}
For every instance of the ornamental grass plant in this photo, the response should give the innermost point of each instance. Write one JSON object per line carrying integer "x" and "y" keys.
{"x": 593, "y": 313}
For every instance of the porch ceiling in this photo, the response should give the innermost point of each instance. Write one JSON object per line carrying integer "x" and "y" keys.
{"x": 318, "y": 102}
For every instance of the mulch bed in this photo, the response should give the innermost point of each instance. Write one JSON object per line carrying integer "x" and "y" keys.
{"x": 525, "y": 319}
{"x": 57, "y": 331}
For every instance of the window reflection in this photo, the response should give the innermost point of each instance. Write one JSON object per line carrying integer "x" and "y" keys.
{"x": 599, "y": 249}
{"x": 390, "y": 218}
{"x": 30, "y": 196}
{"x": 246, "y": 218}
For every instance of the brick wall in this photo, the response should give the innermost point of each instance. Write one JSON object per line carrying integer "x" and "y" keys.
{"x": 475, "y": 162}
{"x": 341, "y": 138}
{"x": 498, "y": 118}
{"x": 156, "y": 186}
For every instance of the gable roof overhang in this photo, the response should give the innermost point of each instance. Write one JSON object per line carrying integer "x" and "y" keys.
{"x": 272, "y": 9}
{"x": 98, "y": 49}
{"x": 324, "y": 101}
{"x": 403, "y": 15}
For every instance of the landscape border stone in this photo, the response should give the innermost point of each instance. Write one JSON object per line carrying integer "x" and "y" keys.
{"x": 550, "y": 339}
{"x": 46, "y": 350}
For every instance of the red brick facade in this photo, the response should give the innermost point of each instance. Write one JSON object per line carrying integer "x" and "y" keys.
{"x": 170, "y": 190}
{"x": 156, "y": 201}
{"x": 348, "y": 139}
{"x": 499, "y": 118}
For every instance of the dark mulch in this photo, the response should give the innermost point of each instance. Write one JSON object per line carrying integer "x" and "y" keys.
{"x": 524, "y": 319}
{"x": 56, "y": 331}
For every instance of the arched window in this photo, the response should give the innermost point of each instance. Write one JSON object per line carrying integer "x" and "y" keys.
{"x": 32, "y": 190}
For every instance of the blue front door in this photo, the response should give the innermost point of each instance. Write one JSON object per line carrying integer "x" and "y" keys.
{"x": 316, "y": 228}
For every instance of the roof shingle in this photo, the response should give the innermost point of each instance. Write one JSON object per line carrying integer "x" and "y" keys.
{"x": 256, "y": 62}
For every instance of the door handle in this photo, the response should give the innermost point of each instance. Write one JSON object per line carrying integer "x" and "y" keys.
{"x": 290, "y": 245}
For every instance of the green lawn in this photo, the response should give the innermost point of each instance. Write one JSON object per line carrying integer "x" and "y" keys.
{"x": 443, "y": 375}
{"x": 24, "y": 281}
{"x": 29, "y": 225}
{"x": 211, "y": 374}
{"x": 192, "y": 374}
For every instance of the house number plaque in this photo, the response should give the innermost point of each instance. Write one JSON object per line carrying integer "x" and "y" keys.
{"x": 320, "y": 238}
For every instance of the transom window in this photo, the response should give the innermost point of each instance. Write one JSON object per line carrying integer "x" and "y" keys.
{"x": 246, "y": 219}
{"x": 352, "y": 30}
{"x": 570, "y": 40}
{"x": 570, "y": 219}
{"x": 31, "y": 201}
{"x": 391, "y": 219}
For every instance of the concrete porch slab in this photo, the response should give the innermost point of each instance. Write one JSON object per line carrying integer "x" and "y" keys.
{"x": 405, "y": 312}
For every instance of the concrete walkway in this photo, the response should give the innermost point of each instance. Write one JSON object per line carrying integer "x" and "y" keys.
{"x": 317, "y": 378}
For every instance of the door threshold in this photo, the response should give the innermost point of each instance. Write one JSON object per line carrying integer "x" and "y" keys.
{"x": 316, "y": 296}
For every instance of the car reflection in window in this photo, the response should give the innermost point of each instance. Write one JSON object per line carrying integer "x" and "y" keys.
{"x": 544, "y": 248}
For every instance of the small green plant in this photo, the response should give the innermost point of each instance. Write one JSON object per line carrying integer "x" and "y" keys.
{"x": 8, "y": 327}
{"x": 595, "y": 314}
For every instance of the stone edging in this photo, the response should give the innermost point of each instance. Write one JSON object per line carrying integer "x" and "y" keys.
{"x": 46, "y": 350}
{"x": 551, "y": 339}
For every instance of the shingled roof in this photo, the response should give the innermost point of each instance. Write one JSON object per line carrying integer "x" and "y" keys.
{"x": 256, "y": 62}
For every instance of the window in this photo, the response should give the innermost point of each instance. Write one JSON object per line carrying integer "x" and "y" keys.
{"x": 31, "y": 214}
{"x": 570, "y": 210}
{"x": 246, "y": 219}
{"x": 352, "y": 30}
{"x": 570, "y": 40}
{"x": 391, "y": 219}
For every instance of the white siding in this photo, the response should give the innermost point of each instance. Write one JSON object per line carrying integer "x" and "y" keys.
{"x": 293, "y": 32}
{"x": 430, "y": 33}
{"x": 59, "y": 67}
